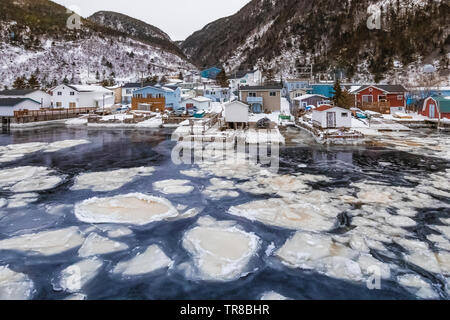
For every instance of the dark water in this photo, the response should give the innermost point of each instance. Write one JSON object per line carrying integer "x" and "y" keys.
{"x": 116, "y": 149}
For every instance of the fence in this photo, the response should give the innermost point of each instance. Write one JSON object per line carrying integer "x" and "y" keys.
{"x": 27, "y": 116}
{"x": 156, "y": 104}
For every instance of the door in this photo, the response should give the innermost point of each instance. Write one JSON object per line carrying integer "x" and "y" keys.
{"x": 432, "y": 111}
{"x": 331, "y": 119}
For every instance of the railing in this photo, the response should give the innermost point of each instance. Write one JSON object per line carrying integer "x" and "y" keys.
{"x": 255, "y": 100}
{"x": 26, "y": 116}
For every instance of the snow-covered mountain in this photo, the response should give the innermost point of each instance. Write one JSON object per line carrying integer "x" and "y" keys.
{"x": 335, "y": 36}
{"x": 35, "y": 39}
{"x": 136, "y": 28}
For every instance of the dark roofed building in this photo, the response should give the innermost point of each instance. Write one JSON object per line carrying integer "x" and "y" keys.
{"x": 263, "y": 87}
{"x": 37, "y": 95}
{"x": 9, "y": 105}
{"x": 17, "y": 92}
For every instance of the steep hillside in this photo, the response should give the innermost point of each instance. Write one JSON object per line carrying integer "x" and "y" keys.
{"x": 34, "y": 38}
{"x": 135, "y": 28}
{"x": 285, "y": 35}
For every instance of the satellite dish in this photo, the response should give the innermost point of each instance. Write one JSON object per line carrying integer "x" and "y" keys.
{"x": 428, "y": 68}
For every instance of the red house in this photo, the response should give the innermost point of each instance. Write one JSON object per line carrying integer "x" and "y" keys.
{"x": 381, "y": 98}
{"x": 436, "y": 107}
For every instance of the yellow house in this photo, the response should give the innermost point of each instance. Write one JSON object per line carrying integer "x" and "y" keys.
{"x": 265, "y": 98}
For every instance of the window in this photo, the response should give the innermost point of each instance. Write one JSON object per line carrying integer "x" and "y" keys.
{"x": 59, "y": 104}
{"x": 399, "y": 97}
{"x": 252, "y": 94}
{"x": 344, "y": 114}
{"x": 59, "y": 93}
{"x": 72, "y": 93}
{"x": 273, "y": 94}
{"x": 128, "y": 91}
{"x": 368, "y": 99}
{"x": 72, "y": 105}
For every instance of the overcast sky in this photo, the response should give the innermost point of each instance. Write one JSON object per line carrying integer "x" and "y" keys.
{"x": 178, "y": 18}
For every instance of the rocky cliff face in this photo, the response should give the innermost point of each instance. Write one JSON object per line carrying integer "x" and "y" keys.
{"x": 285, "y": 35}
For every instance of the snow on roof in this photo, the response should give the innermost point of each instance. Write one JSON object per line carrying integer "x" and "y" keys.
{"x": 86, "y": 88}
{"x": 307, "y": 96}
{"x": 201, "y": 99}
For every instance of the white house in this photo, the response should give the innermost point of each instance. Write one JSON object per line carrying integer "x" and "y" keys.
{"x": 201, "y": 103}
{"x": 245, "y": 78}
{"x": 329, "y": 117}
{"x": 9, "y": 105}
{"x": 217, "y": 94}
{"x": 37, "y": 95}
{"x": 79, "y": 96}
{"x": 236, "y": 112}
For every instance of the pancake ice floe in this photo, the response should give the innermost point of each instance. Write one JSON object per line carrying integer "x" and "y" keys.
{"x": 152, "y": 259}
{"x": 134, "y": 209}
{"x": 46, "y": 243}
{"x": 14, "y": 285}
{"x": 110, "y": 180}
{"x": 220, "y": 250}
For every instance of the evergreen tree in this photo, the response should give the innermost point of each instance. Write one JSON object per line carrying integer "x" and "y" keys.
{"x": 65, "y": 80}
{"x": 342, "y": 98}
{"x": 337, "y": 92}
{"x": 180, "y": 76}
{"x": 33, "y": 82}
{"x": 19, "y": 83}
{"x": 269, "y": 76}
{"x": 222, "y": 79}
{"x": 97, "y": 75}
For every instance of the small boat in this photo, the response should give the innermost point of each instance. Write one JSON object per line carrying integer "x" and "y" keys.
{"x": 361, "y": 115}
{"x": 199, "y": 114}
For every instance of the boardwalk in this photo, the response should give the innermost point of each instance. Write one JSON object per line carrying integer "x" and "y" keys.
{"x": 28, "y": 116}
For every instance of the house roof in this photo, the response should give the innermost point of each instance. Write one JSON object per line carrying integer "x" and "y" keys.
{"x": 82, "y": 88}
{"x": 240, "y": 74}
{"x": 17, "y": 92}
{"x": 201, "y": 99}
{"x": 324, "y": 107}
{"x": 11, "y": 102}
{"x": 307, "y": 96}
{"x": 135, "y": 85}
{"x": 163, "y": 89}
{"x": 236, "y": 102}
{"x": 389, "y": 88}
{"x": 327, "y": 107}
{"x": 266, "y": 87}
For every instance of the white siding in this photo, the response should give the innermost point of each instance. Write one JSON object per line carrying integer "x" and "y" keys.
{"x": 342, "y": 121}
{"x": 6, "y": 111}
{"x": 80, "y": 99}
{"x": 236, "y": 112}
{"x": 41, "y": 97}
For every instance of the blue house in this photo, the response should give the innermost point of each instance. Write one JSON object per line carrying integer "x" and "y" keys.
{"x": 322, "y": 89}
{"x": 210, "y": 73}
{"x": 172, "y": 95}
